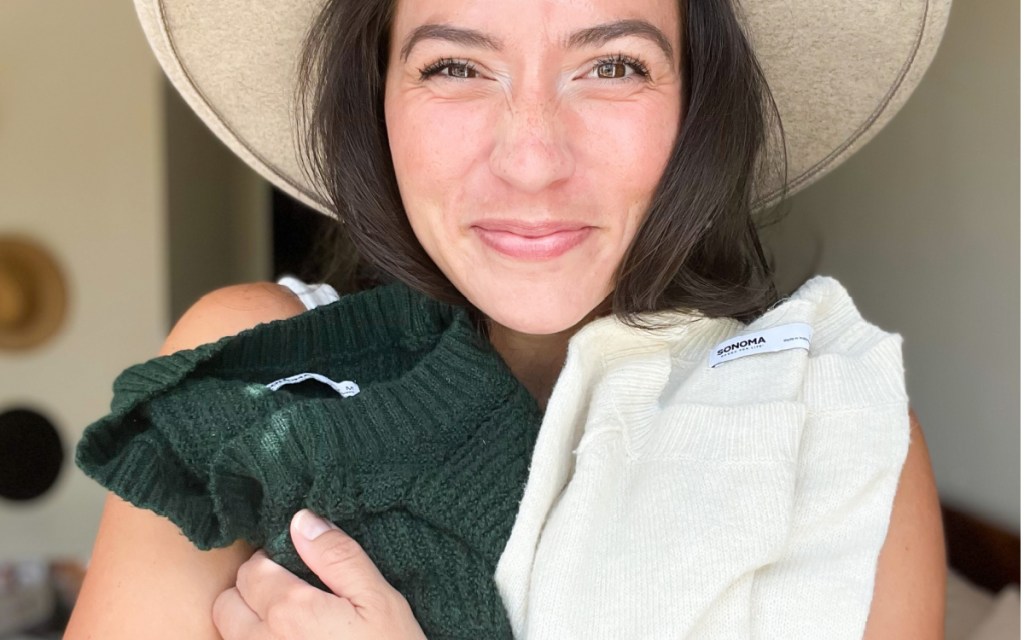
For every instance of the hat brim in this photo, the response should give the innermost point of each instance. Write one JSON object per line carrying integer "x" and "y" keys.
{"x": 838, "y": 71}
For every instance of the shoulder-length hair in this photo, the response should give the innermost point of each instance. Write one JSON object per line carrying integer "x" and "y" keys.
{"x": 697, "y": 247}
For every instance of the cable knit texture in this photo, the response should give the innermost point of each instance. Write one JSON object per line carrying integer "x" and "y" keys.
{"x": 424, "y": 466}
{"x": 669, "y": 499}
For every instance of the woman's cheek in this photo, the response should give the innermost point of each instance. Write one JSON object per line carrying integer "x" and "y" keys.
{"x": 632, "y": 139}
{"x": 447, "y": 138}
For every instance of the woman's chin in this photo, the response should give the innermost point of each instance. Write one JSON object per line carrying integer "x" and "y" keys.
{"x": 536, "y": 319}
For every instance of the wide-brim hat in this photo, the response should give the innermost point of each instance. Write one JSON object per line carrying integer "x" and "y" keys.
{"x": 33, "y": 293}
{"x": 838, "y": 71}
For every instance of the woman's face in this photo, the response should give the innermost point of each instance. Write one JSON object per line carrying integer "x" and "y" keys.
{"x": 528, "y": 137}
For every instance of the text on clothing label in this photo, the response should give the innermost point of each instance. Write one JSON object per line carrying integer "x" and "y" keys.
{"x": 346, "y": 388}
{"x": 796, "y": 335}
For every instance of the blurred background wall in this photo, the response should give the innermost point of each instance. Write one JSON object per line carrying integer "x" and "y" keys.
{"x": 145, "y": 211}
{"x": 103, "y": 165}
{"x": 81, "y": 171}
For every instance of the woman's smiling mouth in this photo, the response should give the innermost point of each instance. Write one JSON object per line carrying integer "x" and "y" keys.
{"x": 525, "y": 241}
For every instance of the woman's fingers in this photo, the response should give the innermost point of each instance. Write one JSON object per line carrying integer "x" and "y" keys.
{"x": 279, "y": 597}
{"x": 268, "y": 602}
{"x": 340, "y": 561}
{"x": 234, "y": 619}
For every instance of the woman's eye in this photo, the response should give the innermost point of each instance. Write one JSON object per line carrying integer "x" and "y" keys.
{"x": 612, "y": 70}
{"x": 449, "y": 68}
{"x": 620, "y": 67}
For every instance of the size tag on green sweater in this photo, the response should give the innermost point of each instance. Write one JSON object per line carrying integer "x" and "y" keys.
{"x": 346, "y": 388}
{"x": 796, "y": 335}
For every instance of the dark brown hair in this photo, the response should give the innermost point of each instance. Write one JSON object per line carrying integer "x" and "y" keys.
{"x": 697, "y": 247}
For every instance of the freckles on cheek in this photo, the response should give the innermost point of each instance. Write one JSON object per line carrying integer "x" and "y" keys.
{"x": 628, "y": 144}
{"x": 449, "y": 139}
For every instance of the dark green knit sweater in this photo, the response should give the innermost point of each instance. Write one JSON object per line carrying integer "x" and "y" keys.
{"x": 425, "y": 466}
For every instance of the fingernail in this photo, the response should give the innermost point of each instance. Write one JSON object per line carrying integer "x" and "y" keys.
{"x": 310, "y": 525}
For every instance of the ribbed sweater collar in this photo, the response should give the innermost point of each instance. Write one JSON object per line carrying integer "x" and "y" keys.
{"x": 452, "y": 367}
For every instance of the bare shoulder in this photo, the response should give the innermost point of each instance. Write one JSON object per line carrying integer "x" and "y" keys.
{"x": 230, "y": 310}
{"x": 910, "y": 581}
{"x": 145, "y": 579}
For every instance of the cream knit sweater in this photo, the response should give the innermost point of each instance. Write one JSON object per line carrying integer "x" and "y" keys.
{"x": 670, "y": 499}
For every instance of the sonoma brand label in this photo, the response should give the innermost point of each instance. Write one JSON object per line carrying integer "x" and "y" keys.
{"x": 796, "y": 335}
{"x": 345, "y": 388}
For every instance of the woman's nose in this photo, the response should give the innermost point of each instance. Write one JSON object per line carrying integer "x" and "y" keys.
{"x": 532, "y": 150}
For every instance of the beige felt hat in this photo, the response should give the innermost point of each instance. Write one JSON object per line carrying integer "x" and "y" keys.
{"x": 33, "y": 294}
{"x": 838, "y": 70}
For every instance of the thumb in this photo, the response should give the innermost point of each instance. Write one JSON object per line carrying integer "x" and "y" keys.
{"x": 336, "y": 558}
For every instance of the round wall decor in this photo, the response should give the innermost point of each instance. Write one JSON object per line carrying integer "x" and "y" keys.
{"x": 33, "y": 294}
{"x": 31, "y": 454}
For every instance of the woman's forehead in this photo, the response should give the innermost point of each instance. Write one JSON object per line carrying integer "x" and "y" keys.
{"x": 555, "y": 22}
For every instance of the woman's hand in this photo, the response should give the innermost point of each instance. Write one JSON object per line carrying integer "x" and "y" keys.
{"x": 268, "y": 602}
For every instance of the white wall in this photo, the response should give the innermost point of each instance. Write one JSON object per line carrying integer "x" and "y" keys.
{"x": 81, "y": 170}
{"x": 923, "y": 228}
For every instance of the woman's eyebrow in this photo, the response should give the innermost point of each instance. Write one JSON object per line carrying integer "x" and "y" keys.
{"x": 458, "y": 35}
{"x": 590, "y": 36}
{"x": 602, "y": 33}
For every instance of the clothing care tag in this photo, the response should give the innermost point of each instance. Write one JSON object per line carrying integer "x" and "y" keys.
{"x": 346, "y": 388}
{"x": 796, "y": 335}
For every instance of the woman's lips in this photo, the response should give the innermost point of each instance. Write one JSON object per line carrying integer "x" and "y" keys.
{"x": 532, "y": 247}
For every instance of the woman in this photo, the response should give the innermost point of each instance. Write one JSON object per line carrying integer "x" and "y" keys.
{"x": 575, "y": 176}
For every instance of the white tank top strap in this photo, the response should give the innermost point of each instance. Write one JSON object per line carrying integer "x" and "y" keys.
{"x": 311, "y": 295}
